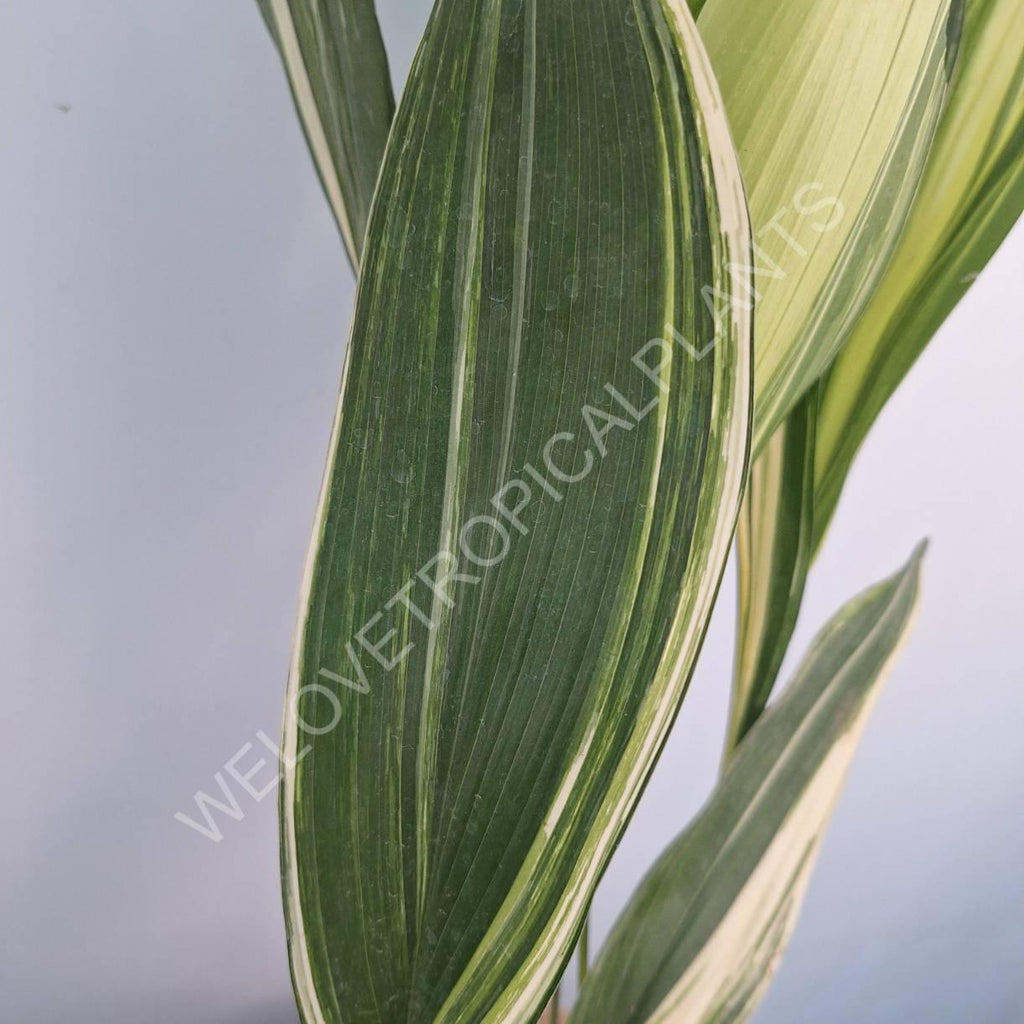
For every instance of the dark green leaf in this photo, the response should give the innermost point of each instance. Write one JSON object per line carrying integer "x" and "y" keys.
{"x": 559, "y": 196}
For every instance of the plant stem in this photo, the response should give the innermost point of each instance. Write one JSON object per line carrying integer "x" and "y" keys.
{"x": 554, "y": 1008}
{"x": 583, "y": 950}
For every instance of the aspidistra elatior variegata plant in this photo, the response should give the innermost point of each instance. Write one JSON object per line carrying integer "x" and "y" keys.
{"x": 533, "y": 482}
{"x": 540, "y": 447}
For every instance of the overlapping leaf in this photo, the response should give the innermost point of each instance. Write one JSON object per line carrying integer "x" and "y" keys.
{"x": 833, "y": 130}
{"x": 833, "y": 107}
{"x": 338, "y": 71}
{"x": 773, "y": 540}
{"x": 702, "y": 935}
{"x": 970, "y": 197}
{"x": 971, "y": 194}
{"x": 534, "y": 478}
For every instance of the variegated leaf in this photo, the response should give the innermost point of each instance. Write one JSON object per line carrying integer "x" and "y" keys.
{"x": 849, "y": 113}
{"x": 971, "y": 195}
{"x": 833, "y": 107}
{"x": 702, "y": 935}
{"x": 338, "y": 71}
{"x": 534, "y": 479}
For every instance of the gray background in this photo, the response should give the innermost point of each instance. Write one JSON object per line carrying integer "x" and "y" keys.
{"x": 174, "y": 304}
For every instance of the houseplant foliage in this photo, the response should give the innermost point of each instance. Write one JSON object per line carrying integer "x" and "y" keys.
{"x": 701, "y": 935}
{"x": 607, "y": 255}
{"x": 970, "y": 195}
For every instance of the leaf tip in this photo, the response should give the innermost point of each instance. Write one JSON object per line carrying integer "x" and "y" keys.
{"x": 920, "y": 550}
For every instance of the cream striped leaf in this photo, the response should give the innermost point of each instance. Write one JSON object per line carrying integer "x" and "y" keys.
{"x": 534, "y": 479}
{"x": 704, "y": 932}
{"x": 334, "y": 57}
{"x": 971, "y": 195}
{"x": 833, "y": 139}
{"x": 833, "y": 107}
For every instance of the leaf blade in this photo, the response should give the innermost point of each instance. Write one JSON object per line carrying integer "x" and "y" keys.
{"x": 337, "y": 68}
{"x": 701, "y": 936}
{"x": 811, "y": 296}
{"x": 971, "y": 195}
{"x": 498, "y": 296}
{"x": 833, "y": 107}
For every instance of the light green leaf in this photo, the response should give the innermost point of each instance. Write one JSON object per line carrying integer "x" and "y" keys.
{"x": 527, "y": 507}
{"x": 971, "y": 195}
{"x": 849, "y": 112}
{"x": 833, "y": 107}
{"x": 338, "y": 71}
{"x": 773, "y": 540}
{"x": 702, "y": 935}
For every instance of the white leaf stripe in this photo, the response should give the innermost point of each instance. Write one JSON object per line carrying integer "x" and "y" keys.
{"x": 469, "y": 244}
